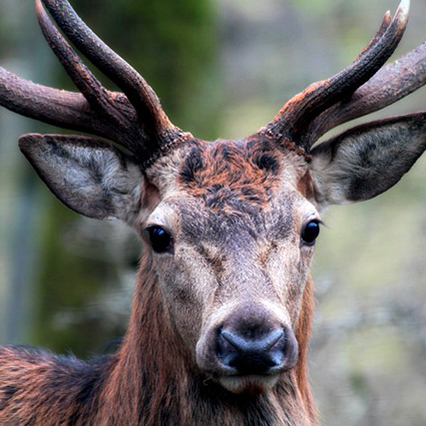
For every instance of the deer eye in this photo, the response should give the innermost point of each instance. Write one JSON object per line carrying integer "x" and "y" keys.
{"x": 310, "y": 232}
{"x": 160, "y": 239}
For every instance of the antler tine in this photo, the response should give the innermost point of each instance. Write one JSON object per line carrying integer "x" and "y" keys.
{"x": 91, "y": 88}
{"x": 100, "y": 99}
{"x": 291, "y": 122}
{"x": 390, "y": 84}
{"x": 153, "y": 119}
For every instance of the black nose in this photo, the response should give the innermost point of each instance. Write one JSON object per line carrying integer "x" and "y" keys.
{"x": 252, "y": 353}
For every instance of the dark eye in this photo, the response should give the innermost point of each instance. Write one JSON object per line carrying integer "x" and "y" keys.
{"x": 160, "y": 239}
{"x": 311, "y": 232}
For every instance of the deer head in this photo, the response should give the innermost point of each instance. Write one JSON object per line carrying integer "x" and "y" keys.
{"x": 230, "y": 226}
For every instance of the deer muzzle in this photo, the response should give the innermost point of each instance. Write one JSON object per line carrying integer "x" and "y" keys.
{"x": 248, "y": 349}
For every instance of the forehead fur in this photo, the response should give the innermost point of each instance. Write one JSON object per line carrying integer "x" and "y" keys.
{"x": 229, "y": 173}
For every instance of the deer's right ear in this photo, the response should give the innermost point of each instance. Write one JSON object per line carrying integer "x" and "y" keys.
{"x": 89, "y": 176}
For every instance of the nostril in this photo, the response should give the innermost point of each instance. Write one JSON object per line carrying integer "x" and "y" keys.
{"x": 251, "y": 356}
{"x": 227, "y": 348}
{"x": 264, "y": 344}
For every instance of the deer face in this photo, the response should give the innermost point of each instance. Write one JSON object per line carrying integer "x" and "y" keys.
{"x": 235, "y": 258}
{"x": 230, "y": 226}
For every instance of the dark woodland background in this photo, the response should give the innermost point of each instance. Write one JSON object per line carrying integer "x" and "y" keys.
{"x": 223, "y": 68}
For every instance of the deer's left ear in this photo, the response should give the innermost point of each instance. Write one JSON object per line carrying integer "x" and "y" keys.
{"x": 367, "y": 160}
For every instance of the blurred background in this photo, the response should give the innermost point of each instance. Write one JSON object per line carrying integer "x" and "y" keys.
{"x": 223, "y": 68}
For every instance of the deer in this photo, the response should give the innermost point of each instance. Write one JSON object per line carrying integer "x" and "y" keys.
{"x": 224, "y": 299}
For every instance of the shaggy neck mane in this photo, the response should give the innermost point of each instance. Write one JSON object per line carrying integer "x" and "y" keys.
{"x": 153, "y": 382}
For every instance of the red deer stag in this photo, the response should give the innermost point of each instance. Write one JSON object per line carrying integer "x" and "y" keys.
{"x": 223, "y": 304}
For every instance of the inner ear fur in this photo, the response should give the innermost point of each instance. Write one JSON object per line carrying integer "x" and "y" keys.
{"x": 367, "y": 160}
{"x": 88, "y": 175}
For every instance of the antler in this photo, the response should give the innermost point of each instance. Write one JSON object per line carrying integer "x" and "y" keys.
{"x": 290, "y": 125}
{"x": 134, "y": 120}
{"x": 390, "y": 84}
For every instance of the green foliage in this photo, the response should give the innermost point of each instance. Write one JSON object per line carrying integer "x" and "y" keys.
{"x": 68, "y": 283}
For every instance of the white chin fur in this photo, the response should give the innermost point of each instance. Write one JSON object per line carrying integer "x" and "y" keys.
{"x": 249, "y": 384}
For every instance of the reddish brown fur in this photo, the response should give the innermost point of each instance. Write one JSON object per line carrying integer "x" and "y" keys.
{"x": 303, "y": 333}
{"x": 41, "y": 389}
{"x": 306, "y": 187}
{"x": 246, "y": 172}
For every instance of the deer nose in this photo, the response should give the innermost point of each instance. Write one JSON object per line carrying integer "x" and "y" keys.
{"x": 252, "y": 353}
